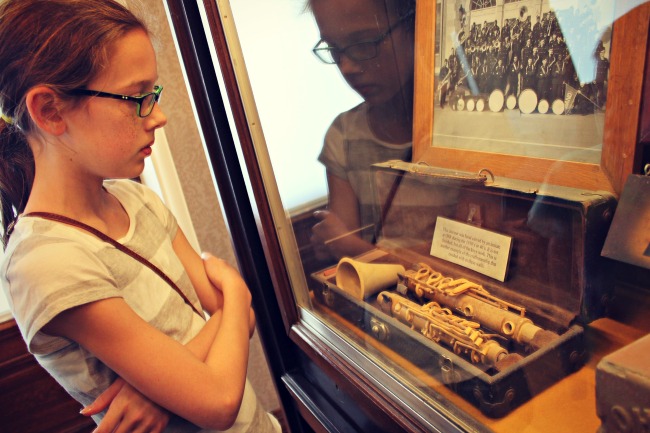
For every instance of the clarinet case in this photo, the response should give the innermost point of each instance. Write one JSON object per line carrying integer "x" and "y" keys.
{"x": 485, "y": 285}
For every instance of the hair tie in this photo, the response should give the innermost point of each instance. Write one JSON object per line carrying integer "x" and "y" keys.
{"x": 8, "y": 120}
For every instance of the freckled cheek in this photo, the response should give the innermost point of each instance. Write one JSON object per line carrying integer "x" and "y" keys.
{"x": 124, "y": 138}
{"x": 129, "y": 128}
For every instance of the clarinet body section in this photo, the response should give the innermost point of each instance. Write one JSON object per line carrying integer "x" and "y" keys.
{"x": 440, "y": 325}
{"x": 473, "y": 302}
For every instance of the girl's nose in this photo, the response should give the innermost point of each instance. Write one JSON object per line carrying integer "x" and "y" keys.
{"x": 348, "y": 66}
{"x": 157, "y": 118}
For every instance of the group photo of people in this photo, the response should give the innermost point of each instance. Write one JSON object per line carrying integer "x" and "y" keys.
{"x": 522, "y": 62}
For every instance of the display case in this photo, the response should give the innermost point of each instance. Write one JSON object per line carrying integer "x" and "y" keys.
{"x": 481, "y": 284}
{"x": 498, "y": 303}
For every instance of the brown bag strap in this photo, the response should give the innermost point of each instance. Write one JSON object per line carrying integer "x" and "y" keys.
{"x": 119, "y": 246}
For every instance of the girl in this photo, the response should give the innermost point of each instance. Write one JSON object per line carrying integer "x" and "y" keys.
{"x": 78, "y": 97}
{"x": 372, "y": 43}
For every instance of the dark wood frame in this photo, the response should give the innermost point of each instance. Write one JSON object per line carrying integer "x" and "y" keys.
{"x": 307, "y": 371}
{"x": 295, "y": 351}
{"x": 292, "y": 348}
{"x": 621, "y": 153}
{"x": 31, "y": 400}
{"x": 315, "y": 376}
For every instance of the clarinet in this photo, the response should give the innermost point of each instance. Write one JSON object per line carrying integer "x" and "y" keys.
{"x": 472, "y": 301}
{"x": 440, "y": 325}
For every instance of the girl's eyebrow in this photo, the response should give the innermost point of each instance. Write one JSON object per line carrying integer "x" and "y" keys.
{"x": 359, "y": 34}
{"x": 139, "y": 82}
{"x": 365, "y": 35}
{"x": 139, "y": 86}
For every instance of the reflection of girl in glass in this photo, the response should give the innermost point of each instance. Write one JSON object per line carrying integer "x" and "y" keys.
{"x": 372, "y": 43}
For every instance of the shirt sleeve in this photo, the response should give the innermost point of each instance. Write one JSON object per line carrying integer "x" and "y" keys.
{"x": 48, "y": 278}
{"x": 334, "y": 153}
{"x": 154, "y": 203}
{"x": 166, "y": 216}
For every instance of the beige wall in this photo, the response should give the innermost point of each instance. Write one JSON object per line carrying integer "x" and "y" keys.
{"x": 194, "y": 173}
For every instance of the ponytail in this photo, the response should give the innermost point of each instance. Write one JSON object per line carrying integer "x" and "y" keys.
{"x": 16, "y": 176}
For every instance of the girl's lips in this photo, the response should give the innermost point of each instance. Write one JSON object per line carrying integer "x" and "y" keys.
{"x": 365, "y": 89}
{"x": 146, "y": 150}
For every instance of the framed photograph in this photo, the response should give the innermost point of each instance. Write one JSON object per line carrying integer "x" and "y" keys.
{"x": 541, "y": 90}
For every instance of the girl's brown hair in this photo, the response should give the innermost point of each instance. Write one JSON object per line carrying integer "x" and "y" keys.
{"x": 59, "y": 43}
{"x": 400, "y": 8}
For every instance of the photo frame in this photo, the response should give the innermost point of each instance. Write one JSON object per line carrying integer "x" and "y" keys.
{"x": 620, "y": 154}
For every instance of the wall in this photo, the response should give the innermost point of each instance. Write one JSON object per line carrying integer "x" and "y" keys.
{"x": 194, "y": 173}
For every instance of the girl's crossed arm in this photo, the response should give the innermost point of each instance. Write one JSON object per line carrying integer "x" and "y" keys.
{"x": 202, "y": 382}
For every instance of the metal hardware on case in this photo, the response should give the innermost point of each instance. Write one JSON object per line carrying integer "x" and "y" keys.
{"x": 498, "y": 407}
{"x": 474, "y": 215}
{"x": 328, "y": 296}
{"x": 577, "y": 359}
{"x": 424, "y": 169}
{"x": 484, "y": 171}
{"x": 624, "y": 419}
{"x": 448, "y": 375}
{"x": 379, "y": 329}
{"x": 607, "y": 215}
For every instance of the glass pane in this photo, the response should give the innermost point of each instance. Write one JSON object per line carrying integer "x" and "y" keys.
{"x": 295, "y": 94}
{"x": 476, "y": 295}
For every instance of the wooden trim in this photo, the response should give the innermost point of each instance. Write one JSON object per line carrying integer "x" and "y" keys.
{"x": 424, "y": 96}
{"x": 644, "y": 128}
{"x": 30, "y": 398}
{"x": 7, "y": 325}
{"x": 268, "y": 233}
{"x": 620, "y": 155}
{"x": 370, "y": 399}
{"x": 316, "y": 409}
{"x": 266, "y": 276}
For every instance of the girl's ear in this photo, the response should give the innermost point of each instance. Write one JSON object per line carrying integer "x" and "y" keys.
{"x": 44, "y": 108}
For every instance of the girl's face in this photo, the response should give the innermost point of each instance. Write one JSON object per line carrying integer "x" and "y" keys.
{"x": 105, "y": 137}
{"x": 346, "y": 22}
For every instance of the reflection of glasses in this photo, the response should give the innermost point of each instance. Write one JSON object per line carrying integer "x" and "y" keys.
{"x": 360, "y": 51}
{"x": 144, "y": 102}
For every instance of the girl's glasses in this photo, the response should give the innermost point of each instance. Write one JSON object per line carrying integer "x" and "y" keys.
{"x": 144, "y": 102}
{"x": 360, "y": 51}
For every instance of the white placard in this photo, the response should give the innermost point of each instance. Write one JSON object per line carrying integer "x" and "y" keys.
{"x": 475, "y": 248}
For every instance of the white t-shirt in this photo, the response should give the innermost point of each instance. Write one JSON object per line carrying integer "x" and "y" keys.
{"x": 350, "y": 150}
{"x": 50, "y": 267}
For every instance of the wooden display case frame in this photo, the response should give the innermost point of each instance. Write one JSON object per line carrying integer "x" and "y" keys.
{"x": 316, "y": 370}
{"x": 620, "y": 153}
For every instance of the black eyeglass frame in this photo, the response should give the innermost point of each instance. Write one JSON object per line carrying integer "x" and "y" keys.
{"x": 336, "y": 58}
{"x": 157, "y": 90}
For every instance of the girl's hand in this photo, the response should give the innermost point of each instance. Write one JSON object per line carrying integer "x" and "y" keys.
{"x": 128, "y": 411}
{"x": 329, "y": 227}
{"x": 229, "y": 281}
{"x": 331, "y": 238}
{"x": 223, "y": 276}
